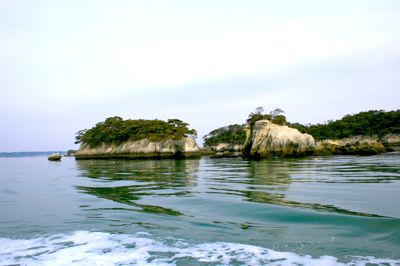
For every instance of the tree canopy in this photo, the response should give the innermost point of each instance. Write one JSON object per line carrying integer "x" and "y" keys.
{"x": 373, "y": 122}
{"x": 275, "y": 116}
{"x": 233, "y": 134}
{"x": 115, "y": 130}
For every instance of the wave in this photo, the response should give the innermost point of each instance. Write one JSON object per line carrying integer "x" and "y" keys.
{"x": 98, "y": 248}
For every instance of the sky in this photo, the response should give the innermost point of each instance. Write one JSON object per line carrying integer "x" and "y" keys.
{"x": 66, "y": 65}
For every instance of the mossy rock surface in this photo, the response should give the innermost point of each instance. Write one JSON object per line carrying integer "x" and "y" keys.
{"x": 54, "y": 157}
{"x": 358, "y": 145}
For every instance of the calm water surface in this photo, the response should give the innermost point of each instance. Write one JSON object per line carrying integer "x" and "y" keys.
{"x": 311, "y": 211}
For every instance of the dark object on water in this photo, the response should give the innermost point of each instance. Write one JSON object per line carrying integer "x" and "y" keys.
{"x": 54, "y": 157}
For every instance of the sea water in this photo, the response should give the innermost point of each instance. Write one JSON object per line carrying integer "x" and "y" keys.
{"x": 336, "y": 210}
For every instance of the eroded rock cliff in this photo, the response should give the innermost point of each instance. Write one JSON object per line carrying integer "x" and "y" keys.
{"x": 226, "y": 150}
{"x": 391, "y": 140}
{"x": 265, "y": 139}
{"x": 360, "y": 145}
{"x": 144, "y": 148}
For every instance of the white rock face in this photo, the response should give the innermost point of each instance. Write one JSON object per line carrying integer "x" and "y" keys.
{"x": 227, "y": 150}
{"x": 142, "y": 148}
{"x": 266, "y": 139}
{"x": 367, "y": 140}
{"x": 391, "y": 139}
{"x": 354, "y": 145}
{"x": 221, "y": 147}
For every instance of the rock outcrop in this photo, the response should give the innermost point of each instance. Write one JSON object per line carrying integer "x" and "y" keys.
{"x": 265, "y": 139}
{"x": 391, "y": 140}
{"x": 226, "y": 150}
{"x": 186, "y": 147}
{"x": 54, "y": 157}
{"x": 360, "y": 145}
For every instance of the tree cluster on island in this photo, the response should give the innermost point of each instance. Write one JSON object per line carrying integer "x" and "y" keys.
{"x": 370, "y": 123}
{"x": 233, "y": 134}
{"x": 115, "y": 130}
{"x": 275, "y": 116}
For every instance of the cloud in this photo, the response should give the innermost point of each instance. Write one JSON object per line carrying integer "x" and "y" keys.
{"x": 66, "y": 65}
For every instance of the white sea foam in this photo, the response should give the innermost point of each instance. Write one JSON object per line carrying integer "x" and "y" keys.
{"x": 96, "y": 248}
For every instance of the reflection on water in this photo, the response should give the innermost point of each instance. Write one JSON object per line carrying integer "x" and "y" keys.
{"x": 127, "y": 195}
{"x": 172, "y": 172}
{"x": 268, "y": 182}
{"x": 162, "y": 178}
{"x": 278, "y": 182}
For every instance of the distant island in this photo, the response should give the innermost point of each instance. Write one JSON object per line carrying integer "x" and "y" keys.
{"x": 28, "y": 153}
{"x": 262, "y": 136}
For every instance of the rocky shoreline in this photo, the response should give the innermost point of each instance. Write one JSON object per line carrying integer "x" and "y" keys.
{"x": 142, "y": 149}
{"x": 358, "y": 145}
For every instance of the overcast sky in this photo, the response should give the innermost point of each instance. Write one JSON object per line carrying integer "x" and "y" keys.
{"x": 66, "y": 65}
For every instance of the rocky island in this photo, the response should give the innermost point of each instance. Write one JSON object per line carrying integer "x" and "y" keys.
{"x": 270, "y": 135}
{"x": 265, "y": 139}
{"x": 130, "y": 139}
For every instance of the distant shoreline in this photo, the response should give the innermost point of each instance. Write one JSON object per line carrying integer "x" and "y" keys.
{"x": 28, "y": 153}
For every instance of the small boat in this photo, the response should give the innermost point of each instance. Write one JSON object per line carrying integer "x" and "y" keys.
{"x": 54, "y": 157}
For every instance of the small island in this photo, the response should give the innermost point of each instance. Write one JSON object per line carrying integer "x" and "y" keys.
{"x": 54, "y": 157}
{"x": 137, "y": 139}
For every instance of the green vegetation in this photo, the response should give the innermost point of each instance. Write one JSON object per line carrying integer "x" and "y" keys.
{"x": 274, "y": 116}
{"x": 233, "y": 134}
{"x": 367, "y": 123}
{"x": 279, "y": 120}
{"x": 115, "y": 130}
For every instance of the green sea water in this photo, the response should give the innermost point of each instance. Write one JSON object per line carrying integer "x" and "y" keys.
{"x": 307, "y": 211}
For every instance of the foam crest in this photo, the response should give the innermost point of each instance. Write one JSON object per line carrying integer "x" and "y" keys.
{"x": 97, "y": 248}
